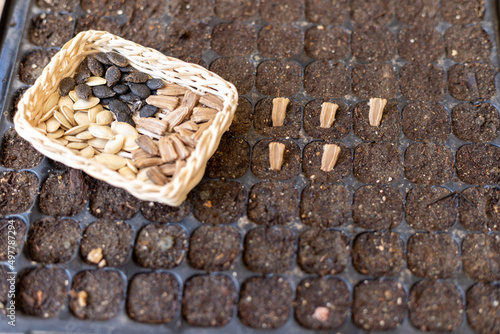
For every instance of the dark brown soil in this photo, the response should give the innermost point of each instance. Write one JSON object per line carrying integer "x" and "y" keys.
{"x": 238, "y": 71}
{"x": 279, "y": 78}
{"x": 325, "y": 205}
{"x": 378, "y": 305}
{"x": 209, "y": 300}
{"x": 162, "y": 213}
{"x": 378, "y": 254}
{"x": 280, "y": 41}
{"x": 43, "y": 291}
{"x": 435, "y": 306}
{"x": 53, "y": 240}
{"x": 187, "y": 38}
{"x": 64, "y": 193}
{"x": 428, "y": 122}
{"x": 479, "y": 209}
{"x": 234, "y": 39}
{"x": 323, "y": 252}
{"x": 420, "y": 44}
{"x": 17, "y": 192}
{"x": 191, "y": 10}
{"x": 327, "y": 43}
{"x": 95, "y": 22}
{"x": 33, "y": 63}
{"x": 281, "y": 11}
{"x": 58, "y": 5}
{"x": 5, "y": 289}
{"x": 18, "y": 231}
{"x": 377, "y": 207}
{"x": 219, "y": 202}
{"x": 371, "y": 11}
{"x": 111, "y": 202}
{"x": 260, "y": 160}
{"x": 373, "y": 43}
{"x": 265, "y": 302}
{"x": 96, "y": 294}
{"x": 16, "y": 97}
{"x": 230, "y": 161}
{"x": 146, "y": 9}
{"x": 433, "y": 256}
{"x": 475, "y": 122}
{"x": 374, "y": 80}
{"x": 320, "y": 11}
{"x": 114, "y": 239}
{"x": 236, "y": 10}
{"x": 471, "y": 82}
{"x": 17, "y": 153}
{"x": 430, "y": 208}
{"x": 481, "y": 257}
{"x": 311, "y": 163}
{"x": 269, "y": 249}
{"x": 160, "y": 246}
{"x": 422, "y": 82}
{"x": 242, "y": 120}
{"x": 478, "y": 164}
{"x": 150, "y": 33}
{"x": 263, "y": 123}
{"x": 483, "y": 307}
{"x": 340, "y": 127}
{"x": 417, "y": 12}
{"x": 467, "y": 43}
{"x": 462, "y": 11}
{"x": 214, "y": 248}
{"x": 377, "y": 163}
{"x": 322, "y": 303}
{"x": 51, "y": 30}
{"x": 326, "y": 79}
{"x": 108, "y": 7}
{"x": 153, "y": 298}
{"x": 389, "y": 127}
{"x": 272, "y": 203}
{"x": 428, "y": 163}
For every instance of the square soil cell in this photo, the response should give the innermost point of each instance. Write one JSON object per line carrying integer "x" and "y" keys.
{"x": 475, "y": 122}
{"x": 263, "y": 122}
{"x": 319, "y": 11}
{"x": 107, "y": 201}
{"x": 273, "y": 203}
{"x": 265, "y": 302}
{"x": 325, "y": 205}
{"x": 153, "y": 297}
{"x": 478, "y": 163}
{"x": 462, "y": 11}
{"x": 17, "y": 191}
{"x": 51, "y": 30}
{"x": 234, "y": 39}
{"x": 481, "y": 257}
{"x": 323, "y": 252}
{"x": 280, "y": 41}
{"x": 312, "y": 160}
{"x": 162, "y": 213}
{"x": 96, "y": 295}
{"x": 471, "y": 82}
{"x": 483, "y": 307}
{"x": 374, "y": 80}
{"x": 261, "y": 166}
{"x": 18, "y": 153}
{"x": 322, "y": 303}
{"x": 420, "y": 44}
{"x": 372, "y": 43}
{"x": 327, "y": 43}
{"x": 187, "y": 10}
{"x": 467, "y": 43}
{"x": 418, "y": 12}
{"x": 377, "y": 162}
{"x": 279, "y": 78}
{"x": 479, "y": 209}
{"x": 377, "y": 207}
{"x": 428, "y": 163}
{"x": 389, "y": 127}
{"x": 281, "y": 11}
{"x": 33, "y": 63}
{"x": 242, "y": 120}
{"x": 340, "y": 127}
{"x": 18, "y": 231}
{"x": 326, "y": 79}
{"x": 209, "y": 300}
{"x": 238, "y": 71}
{"x": 187, "y": 38}
{"x": 422, "y": 82}
{"x": 236, "y": 10}
{"x": 371, "y": 12}
{"x": 425, "y": 122}
{"x": 379, "y": 305}
{"x": 230, "y": 161}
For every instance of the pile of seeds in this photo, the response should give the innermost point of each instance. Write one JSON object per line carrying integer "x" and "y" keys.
{"x": 142, "y": 127}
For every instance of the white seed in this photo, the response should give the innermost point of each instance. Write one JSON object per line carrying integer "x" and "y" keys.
{"x": 51, "y": 102}
{"x": 56, "y": 134}
{"x": 77, "y": 146}
{"x": 92, "y": 113}
{"x": 65, "y": 101}
{"x": 131, "y": 165}
{"x": 127, "y": 172}
{"x": 85, "y": 135}
{"x": 86, "y": 104}
{"x": 62, "y": 141}
{"x": 111, "y": 161}
{"x": 143, "y": 176}
{"x": 73, "y": 96}
{"x": 69, "y": 114}
{"x": 82, "y": 118}
{"x": 96, "y": 81}
{"x": 76, "y": 130}
{"x": 130, "y": 144}
{"x": 42, "y": 127}
{"x": 104, "y": 117}
{"x": 98, "y": 143}
{"x": 124, "y": 129}
{"x": 48, "y": 114}
{"x": 87, "y": 152}
{"x": 115, "y": 145}
{"x": 62, "y": 119}
{"x": 52, "y": 124}
{"x": 100, "y": 131}
{"x": 73, "y": 139}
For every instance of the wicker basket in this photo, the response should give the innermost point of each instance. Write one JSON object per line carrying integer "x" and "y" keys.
{"x": 149, "y": 61}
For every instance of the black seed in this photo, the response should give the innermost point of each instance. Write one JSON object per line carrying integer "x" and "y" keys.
{"x": 102, "y": 58}
{"x": 127, "y": 69}
{"x": 117, "y": 59}
{"x": 119, "y": 107}
{"x": 82, "y": 76}
{"x": 155, "y": 83}
{"x": 137, "y": 105}
{"x": 140, "y": 90}
{"x": 123, "y": 117}
{"x": 137, "y": 77}
{"x": 129, "y": 97}
{"x": 113, "y": 75}
{"x": 95, "y": 67}
{"x": 148, "y": 111}
{"x": 108, "y": 100}
{"x": 66, "y": 85}
{"x": 121, "y": 89}
{"x": 83, "y": 91}
{"x": 102, "y": 91}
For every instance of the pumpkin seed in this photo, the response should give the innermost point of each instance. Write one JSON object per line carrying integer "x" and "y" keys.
{"x": 127, "y": 172}
{"x": 73, "y": 138}
{"x": 92, "y": 112}
{"x": 77, "y": 146}
{"x": 87, "y": 152}
{"x": 111, "y": 161}
{"x": 100, "y": 131}
{"x": 85, "y": 135}
{"x": 115, "y": 145}
{"x": 104, "y": 117}
{"x": 96, "y": 81}
{"x": 52, "y": 101}
{"x": 69, "y": 114}
{"x": 56, "y": 134}
{"x": 82, "y": 118}
{"x": 62, "y": 119}
{"x": 131, "y": 165}
{"x": 52, "y": 124}
{"x": 74, "y": 97}
{"x": 65, "y": 101}
{"x": 48, "y": 114}
{"x": 124, "y": 129}
{"x": 62, "y": 141}
{"x": 98, "y": 143}
{"x": 42, "y": 127}
{"x": 129, "y": 145}
{"x": 76, "y": 130}
{"x": 86, "y": 104}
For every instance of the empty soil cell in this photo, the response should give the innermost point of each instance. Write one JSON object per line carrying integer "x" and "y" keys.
{"x": 481, "y": 257}
{"x": 280, "y": 41}
{"x": 340, "y": 127}
{"x": 53, "y": 240}
{"x": 325, "y": 205}
{"x": 471, "y": 82}
{"x": 149, "y": 33}
{"x": 428, "y": 122}
{"x": 269, "y": 249}
{"x": 263, "y": 122}
{"x": 18, "y": 153}
{"x": 478, "y": 164}
{"x": 311, "y": 163}
{"x": 261, "y": 167}
{"x": 272, "y": 203}
{"x": 372, "y": 43}
{"x": 431, "y": 208}
{"x": 326, "y": 80}
{"x": 160, "y": 246}
{"x": 435, "y": 306}
{"x": 33, "y": 63}
{"x": 433, "y": 256}
{"x": 374, "y": 80}
{"x": 422, "y": 82}
{"x": 214, "y": 248}
{"x": 479, "y": 209}
{"x": 320, "y": 11}
{"x": 378, "y": 254}
{"x": 322, "y": 303}
{"x": 58, "y": 5}
{"x": 238, "y": 71}
{"x": 162, "y": 213}
{"x": 279, "y": 78}
{"x": 187, "y": 38}
{"x": 265, "y": 302}
{"x": 330, "y": 42}
{"x": 417, "y": 12}
{"x": 377, "y": 207}
{"x": 153, "y": 297}
{"x": 420, "y": 44}
{"x": 234, "y": 39}
{"x": 377, "y": 163}
{"x": 236, "y": 10}
{"x": 51, "y": 30}
{"x": 16, "y": 97}
{"x": 371, "y": 11}
{"x": 462, "y": 11}
{"x": 191, "y": 10}
{"x": 108, "y": 8}
{"x": 64, "y": 193}
{"x": 475, "y": 122}
{"x": 428, "y": 163}
{"x": 242, "y": 120}
{"x": 219, "y": 202}
{"x": 467, "y": 43}
{"x": 106, "y": 243}
{"x": 323, "y": 252}
{"x": 88, "y": 22}
{"x": 281, "y": 11}
{"x": 107, "y": 201}
{"x": 17, "y": 192}
{"x": 378, "y": 305}
{"x": 96, "y": 295}
{"x": 5, "y": 285}
{"x": 389, "y": 127}
{"x": 145, "y": 9}
{"x": 230, "y": 161}
{"x": 13, "y": 230}
{"x": 209, "y": 300}
{"x": 483, "y": 307}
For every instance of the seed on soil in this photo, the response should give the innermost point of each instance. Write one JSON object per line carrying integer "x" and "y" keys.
{"x": 141, "y": 90}
{"x": 377, "y": 106}
{"x": 137, "y": 77}
{"x": 86, "y": 104}
{"x": 67, "y": 84}
{"x": 111, "y": 161}
{"x": 117, "y": 59}
{"x": 95, "y": 81}
{"x": 155, "y": 175}
{"x": 104, "y": 117}
{"x": 121, "y": 89}
{"x": 148, "y": 111}
{"x": 155, "y": 84}
{"x": 276, "y": 152}
{"x": 95, "y": 66}
{"x": 147, "y": 144}
{"x": 172, "y": 89}
{"x": 330, "y": 156}
{"x": 163, "y": 102}
{"x": 201, "y": 114}
{"x": 102, "y": 58}
{"x": 153, "y": 125}
{"x": 327, "y": 117}
{"x": 212, "y": 101}
{"x": 115, "y": 145}
{"x": 100, "y": 131}
{"x": 279, "y": 110}
{"x": 103, "y": 92}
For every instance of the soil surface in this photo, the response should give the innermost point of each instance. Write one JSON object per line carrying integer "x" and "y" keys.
{"x": 234, "y": 39}
{"x": 481, "y": 257}
{"x": 422, "y": 82}
{"x": 236, "y": 10}
{"x": 483, "y": 307}
{"x": 18, "y": 153}
{"x": 374, "y": 80}
{"x": 462, "y": 11}
{"x": 478, "y": 164}
{"x": 340, "y": 127}
{"x": 377, "y": 163}
{"x": 479, "y": 209}
{"x": 377, "y": 207}
{"x": 230, "y": 161}
{"x": 418, "y": 12}
{"x": 17, "y": 192}
{"x": 187, "y": 38}
{"x": 467, "y": 43}
{"x": 111, "y": 202}
{"x": 18, "y": 232}
{"x": 372, "y": 43}
{"x": 51, "y": 30}
{"x": 279, "y": 78}
{"x": 242, "y": 120}
{"x": 281, "y": 11}
{"x": 162, "y": 213}
{"x": 420, "y": 44}
{"x": 371, "y": 11}
{"x": 428, "y": 163}
{"x": 427, "y": 122}
{"x": 280, "y": 41}
{"x": 475, "y": 122}
{"x": 327, "y": 43}
{"x": 33, "y": 63}
{"x": 325, "y": 205}
{"x": 319, "y": 11}
{"x": 471, "y": 82}
{"x": 263, "y": 122}
{"x": 238, "y": 71}
{"x": 326, "y": 79}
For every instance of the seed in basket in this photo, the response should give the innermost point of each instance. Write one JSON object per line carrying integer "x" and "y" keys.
{"x": 86, "y": 104}
{"x": 327, "y": 116}
{"x": 95, "y": 66}
{"x": 148, "y": 162}
{"x": 201, "y": 114}
{"x": 172, "y": 89}
{"x": 92, "y": 113}
{"x": 168, "y": 169}
{"x": 72, "y": 95}
{"x": 115, "y": 145}
{"x": 95, "y": 81}
{"x": 42, "y": 127}
{"x": 103, "y": 92}
{"x": 137, "y": 77}
{"x": 119, "y": 107}
{"x": 48, "y": 114}
{"x": 190, "y": 100}
{"x": 155, "y": 83}
{"x": 155, "y": 175}
{"x": 87, "y": 152}
{"x": 98, "y": 143}
{"x": 113, "y": 76}
{"x": 129, "y": 97}
{"x": 73, "y": 138}
{"x": 147, "y": 144}
{"x": 141, "y": 90}
{"x": 85, "y": 135}
{"x": 124, "y": 129}
{"x": 62, "y": 141}
{"x": 211, "y": 101}
{"x": 65, "y": 101}
{"x": 176, "y": 117}
{"x": 111, "y": 161}
{"x": 101, "y": 131}
{"x": 56, "y": 134}
{"x": 153, "y": 125}
{"x": 52, "y": 124}
{"x": 186, "y": 137}
{"x": 76, "y": 145}
{"x": 179, "y": 146}
{"x": 127, "y": 172}
{"x": 66, "y": 85}
{"x": 102, "y": 57}
{"x": 148, "y": 111}
{"x": 104, "y": 117}
{"x": 82, "y": 118}
{"x": 167, "y": 149}
{"x": 117, "y": 59}
{"x": 163, "y": 102}
{"x": 188, "y": 125}
{"x": 121, "y": 89}
{"x": 130, "y": 145}
{"x": 62, "y": 120}
{"x": 83, "y": 91}
{"x": 69, "y": 114}
{"x": 276, "y": 152}
{"x": 76, "y": 130}
{"x": 197, "y": 135}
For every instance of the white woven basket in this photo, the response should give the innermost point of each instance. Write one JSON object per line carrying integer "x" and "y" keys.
{"x": 149, "y": 61}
